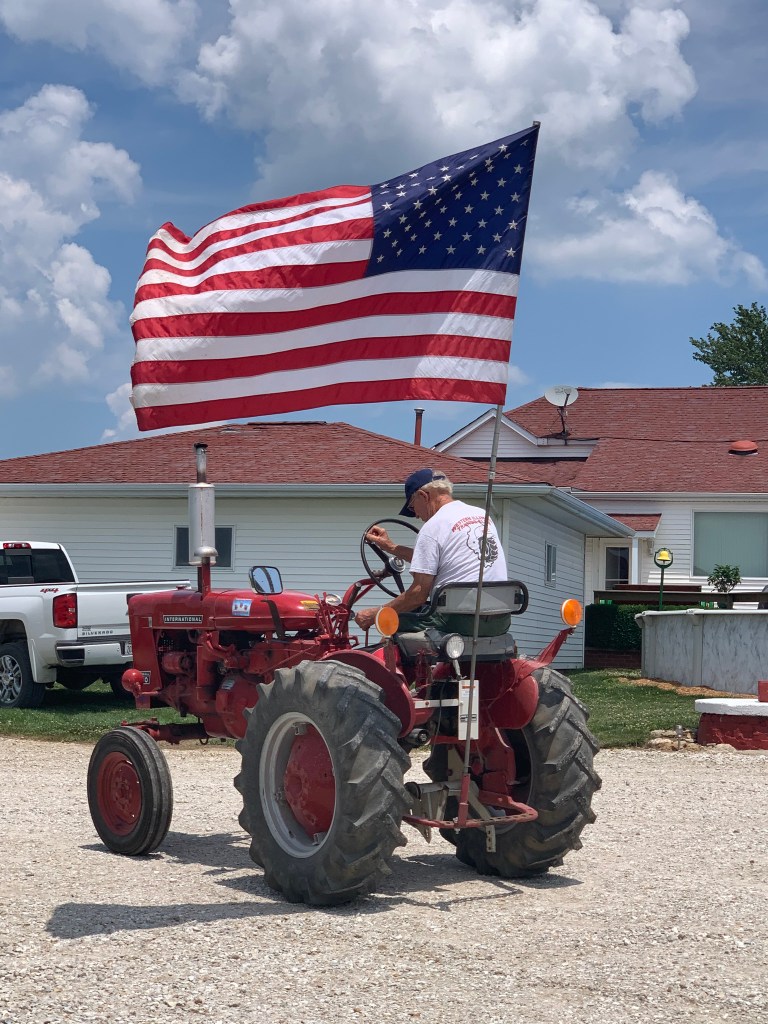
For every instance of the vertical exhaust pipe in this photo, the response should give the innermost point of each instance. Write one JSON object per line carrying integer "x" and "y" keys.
{"x": 417, "y": 428}
{"x": 202, "y": 521}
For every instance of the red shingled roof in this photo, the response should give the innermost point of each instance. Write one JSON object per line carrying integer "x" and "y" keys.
{"x": 643, "y": 524}
{"x": 662, "y": 440}
{"x": 664, "y": 414}
{"x": 250, "y": 453}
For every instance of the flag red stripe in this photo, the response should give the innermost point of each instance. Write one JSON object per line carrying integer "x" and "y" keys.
{"x": 337, "y": 394}
{"x": 210, "y": 324}
{"x": 321, "y": 202}
{"x": 348, "y": 230}
{"x": 312, "y": 275}
{"x": 185, "y": 371}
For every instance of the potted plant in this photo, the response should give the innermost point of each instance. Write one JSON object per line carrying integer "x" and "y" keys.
{"x": 723, "y": 579}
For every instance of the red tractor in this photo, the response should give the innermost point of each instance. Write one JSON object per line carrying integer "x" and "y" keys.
{"x": 325, "y": 726}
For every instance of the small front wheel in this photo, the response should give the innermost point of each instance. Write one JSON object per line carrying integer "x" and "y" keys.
{"x": 130, "y": 794}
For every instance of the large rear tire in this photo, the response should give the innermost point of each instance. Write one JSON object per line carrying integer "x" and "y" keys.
{"x": 18, "y": 688}
{"x": 130, "y": 793}
{"x": 555, "y": 773}
{"x": 322, "y": 783}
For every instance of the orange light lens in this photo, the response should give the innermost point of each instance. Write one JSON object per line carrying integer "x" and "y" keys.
{"x": 571, "y": 612}
{"x": 387, "y": 621}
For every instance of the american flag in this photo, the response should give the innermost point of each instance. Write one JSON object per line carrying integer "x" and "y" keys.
{"x": 402, "y": 290}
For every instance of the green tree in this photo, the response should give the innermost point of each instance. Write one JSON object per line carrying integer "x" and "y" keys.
{"x": 737, "y": 352}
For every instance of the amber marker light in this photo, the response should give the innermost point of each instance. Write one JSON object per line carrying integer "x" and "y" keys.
{"x": 571, "y": 612}
{"x": 387, "y": 621}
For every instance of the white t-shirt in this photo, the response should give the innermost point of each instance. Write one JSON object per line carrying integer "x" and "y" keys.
{"x": 448, "y": 546}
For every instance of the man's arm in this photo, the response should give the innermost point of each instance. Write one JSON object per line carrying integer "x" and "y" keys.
{"x": 379, "y": 536}
{"x": 415, "y": 596}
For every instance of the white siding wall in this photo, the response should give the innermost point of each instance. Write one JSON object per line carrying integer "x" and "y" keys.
{"x": 526, "y": 535}
{"x": 315, "y": 544}
{"x": 512, "y": 445}
{"x": 675, "y": 531}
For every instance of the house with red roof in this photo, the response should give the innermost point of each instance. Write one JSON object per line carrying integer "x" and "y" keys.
{"x": 295, "y": 495}
{"x": 685, "y": 468}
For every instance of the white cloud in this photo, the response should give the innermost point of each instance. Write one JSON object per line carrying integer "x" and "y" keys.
{"x": 54, "y": 297}
{"x": 119, "y": 402}
{"x": 651, "y": 233}
{"x": 416, "y": 80}
{"x": 145, "y": 37}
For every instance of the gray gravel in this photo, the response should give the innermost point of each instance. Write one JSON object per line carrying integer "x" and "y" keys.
{"x": 660, "y": 917}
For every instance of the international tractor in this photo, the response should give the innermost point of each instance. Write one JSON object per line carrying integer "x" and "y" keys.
{"x": 326, "y": 726}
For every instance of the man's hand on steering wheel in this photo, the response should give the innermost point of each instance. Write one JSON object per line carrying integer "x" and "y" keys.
{"x": 378, "y": 535}
{"x": 391, "y": 555}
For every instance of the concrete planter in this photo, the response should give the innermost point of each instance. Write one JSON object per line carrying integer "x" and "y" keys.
{"x": 724, "y": 649}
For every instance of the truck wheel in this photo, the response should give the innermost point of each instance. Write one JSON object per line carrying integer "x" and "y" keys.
{"x": 130, "y": 792}
{"x": 322, "y": 783}
{"x": 18, "y": 688}
{"x": 115, "y": 680}
{"x": 554, "y": 754}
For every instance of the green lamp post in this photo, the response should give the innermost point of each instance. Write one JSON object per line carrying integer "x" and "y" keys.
{"x": 663, "y": 559}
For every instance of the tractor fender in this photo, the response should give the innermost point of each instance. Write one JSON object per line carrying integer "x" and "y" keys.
{"x": 509, "y": 693}
{"x": 397, "y": 697}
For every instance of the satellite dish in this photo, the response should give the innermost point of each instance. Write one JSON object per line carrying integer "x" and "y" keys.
{"x": 561, "y": 395}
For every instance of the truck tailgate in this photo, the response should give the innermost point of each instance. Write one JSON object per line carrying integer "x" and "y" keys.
{"x": 102, "y": 608}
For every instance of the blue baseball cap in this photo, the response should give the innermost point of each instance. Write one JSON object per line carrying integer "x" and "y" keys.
{"x": 414, "y": 483}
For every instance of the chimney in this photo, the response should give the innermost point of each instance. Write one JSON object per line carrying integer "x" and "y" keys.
{"x": 417, "y": 428}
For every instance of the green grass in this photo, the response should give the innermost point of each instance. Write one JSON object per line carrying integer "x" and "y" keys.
{"x": 621, "y": 715}
{"x": 75, "y": 716}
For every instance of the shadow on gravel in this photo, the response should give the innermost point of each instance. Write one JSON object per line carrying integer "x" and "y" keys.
{"x": 424, "y": 880}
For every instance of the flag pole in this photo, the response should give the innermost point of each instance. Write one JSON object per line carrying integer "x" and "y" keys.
{"x": 463, "y": 810}
{"x": 463, "y": 800}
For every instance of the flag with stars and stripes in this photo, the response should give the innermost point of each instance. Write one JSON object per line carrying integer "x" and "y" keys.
{"x": 401, "y": 290}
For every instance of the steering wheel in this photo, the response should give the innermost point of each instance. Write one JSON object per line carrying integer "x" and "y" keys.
{"x": 393, "y": 566}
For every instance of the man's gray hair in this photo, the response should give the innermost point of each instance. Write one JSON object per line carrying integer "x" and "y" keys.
{"x": 439, "y": 486}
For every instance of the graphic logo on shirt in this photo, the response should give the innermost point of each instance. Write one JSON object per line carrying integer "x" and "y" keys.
{"x": 475, "y": 539}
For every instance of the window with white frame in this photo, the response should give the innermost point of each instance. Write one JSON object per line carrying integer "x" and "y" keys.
{"x": 224, "y": 541}
{"x": 550, "y": 565}
{"x": 616, "y": 565}
{"x": 730, "y": 538}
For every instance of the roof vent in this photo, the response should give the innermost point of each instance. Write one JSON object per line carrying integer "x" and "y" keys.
{"x": 743, "y": 448}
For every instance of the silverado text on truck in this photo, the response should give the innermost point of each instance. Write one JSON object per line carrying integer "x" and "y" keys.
{"x": 53, "y": 628}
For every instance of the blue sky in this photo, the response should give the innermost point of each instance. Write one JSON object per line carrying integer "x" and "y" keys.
{"x": 649, "y": 209}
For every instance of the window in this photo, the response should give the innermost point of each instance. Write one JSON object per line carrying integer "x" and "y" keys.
{"x": 550, "y": 564}
{"x": 39, "y": 565}
{"x": 223, "y": 541}
{"x": 616, "y": 566}
{"x": 730, "y": 538}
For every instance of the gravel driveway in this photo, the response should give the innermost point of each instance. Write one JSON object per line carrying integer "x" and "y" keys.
{"x": 660, "y": 917}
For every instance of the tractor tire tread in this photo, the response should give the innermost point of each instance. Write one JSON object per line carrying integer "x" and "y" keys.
{"x": 369, "y": 765}
{"x": 563, "y": 780}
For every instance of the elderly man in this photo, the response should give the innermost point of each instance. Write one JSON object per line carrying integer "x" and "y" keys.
{"x": 447, "y": 550}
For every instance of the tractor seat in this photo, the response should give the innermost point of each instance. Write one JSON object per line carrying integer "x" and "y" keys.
{"x": 457, "y": 602}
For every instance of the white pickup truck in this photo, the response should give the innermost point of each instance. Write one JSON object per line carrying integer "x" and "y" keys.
{"x": 54, "y": 629}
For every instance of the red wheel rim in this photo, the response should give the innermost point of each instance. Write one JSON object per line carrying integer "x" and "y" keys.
{"x": 309, "y": 784}
{"x": 119, "y": 794}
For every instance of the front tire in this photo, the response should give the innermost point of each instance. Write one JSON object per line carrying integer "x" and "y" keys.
{"x": 554, "y": 754}
{"x": 18, "y": 688}
{"x": 130, "y": 793}
{"x": 322, "y": 783}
